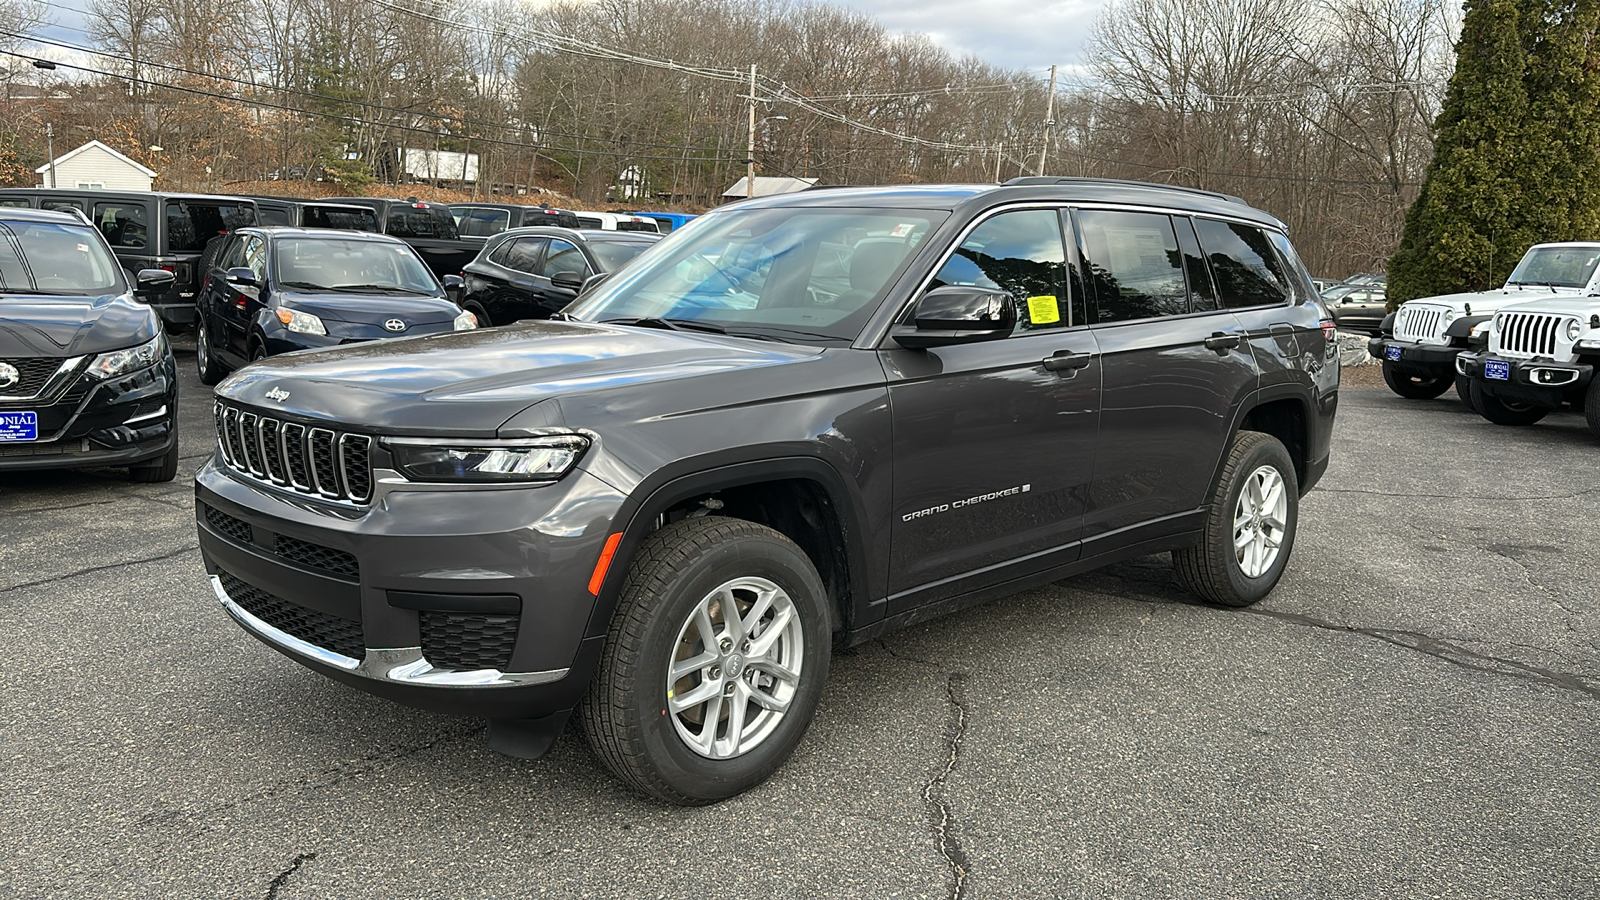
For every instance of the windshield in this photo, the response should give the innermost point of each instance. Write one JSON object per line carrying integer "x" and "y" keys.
{"x": 612, "y": 254}
{"x": 1557, "y": 266}
{"x": 350, "y": 266}
{"x": 790, "y": 273}
{"x": 46, "y": 258}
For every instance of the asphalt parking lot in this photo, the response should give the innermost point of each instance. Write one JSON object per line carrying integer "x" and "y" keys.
{"x": 1413, "y": 713}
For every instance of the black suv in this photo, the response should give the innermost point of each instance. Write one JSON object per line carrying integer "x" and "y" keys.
{"x": 151, "y": 230}
{"x": 429, "y": 228}
{"x": 533, "y": 273}
{"x": 808, "y": 419}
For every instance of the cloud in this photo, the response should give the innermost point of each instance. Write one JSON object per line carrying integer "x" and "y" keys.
{"x": 1014, "y": 34}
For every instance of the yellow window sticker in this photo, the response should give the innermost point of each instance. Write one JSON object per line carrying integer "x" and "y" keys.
{"x": 1043, "y": 310}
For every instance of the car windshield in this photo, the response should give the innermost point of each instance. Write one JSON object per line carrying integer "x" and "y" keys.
{"x": 793, "y": 273}
{"x": 350, "y": 266}
{"x": 1557, "y": 266}
{"x": 46, "y": 258}
{"x": 612, "y": 254}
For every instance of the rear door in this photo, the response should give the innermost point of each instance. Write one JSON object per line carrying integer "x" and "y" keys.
{"x": 994, "y": 451}
{"x": 1254, "y": 281}
{"x": 1176, "y": 366}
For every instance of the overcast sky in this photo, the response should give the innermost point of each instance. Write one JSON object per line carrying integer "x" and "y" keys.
{"x": 1009, "y": 33}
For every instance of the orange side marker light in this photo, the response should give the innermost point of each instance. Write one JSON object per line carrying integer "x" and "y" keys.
{"x": 604, "y": 563}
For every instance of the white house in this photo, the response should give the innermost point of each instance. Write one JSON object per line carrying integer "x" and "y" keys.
{"x": 94, "y": 165}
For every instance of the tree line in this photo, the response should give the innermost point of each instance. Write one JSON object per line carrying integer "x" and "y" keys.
{"x": 1321, "y": 113}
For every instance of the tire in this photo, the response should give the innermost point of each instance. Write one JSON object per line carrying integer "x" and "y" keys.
{"x": 257, "y": 352}
{"x": 1464, "y": 391}
{"x": 205, "y": 361}
{"x": 1505, "y": 412}
{"x": 483, "y": 317}
{"x": 633, "y": 715}
{"x": 1591, "y": 409}
{"x": 1213, "y": 569}
{"x": 162, "y": 468}
{"x": 1413, "y": 387}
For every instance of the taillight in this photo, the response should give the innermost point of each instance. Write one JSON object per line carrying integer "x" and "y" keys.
{"x": 1328, "y": 331}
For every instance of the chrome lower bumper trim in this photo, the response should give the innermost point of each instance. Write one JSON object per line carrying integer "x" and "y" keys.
{"x": 398, "y": 665}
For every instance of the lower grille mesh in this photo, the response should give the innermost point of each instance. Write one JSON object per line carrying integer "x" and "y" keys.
{"x": 316, "y": 556}
{"x": 237, "y": 529}
{"x": 468, "y": 641}
{"x": 342, "y": 636}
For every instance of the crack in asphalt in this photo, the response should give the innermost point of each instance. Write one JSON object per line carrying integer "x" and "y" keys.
{"x": 905, "y": 656}
{"x": 93, "y": 569}
{"x": 940, "y": 819}
{"x": 276, "y": 885}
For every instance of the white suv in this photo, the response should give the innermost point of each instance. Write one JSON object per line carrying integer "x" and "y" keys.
{"x": 1423, "y": 338}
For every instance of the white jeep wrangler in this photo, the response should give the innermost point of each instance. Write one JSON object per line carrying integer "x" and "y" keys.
{"x": 1422, "y": 340}
{"x": 1541, "y": 354}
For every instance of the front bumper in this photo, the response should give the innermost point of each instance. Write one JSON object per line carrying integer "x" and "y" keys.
{"x": 472, "y": 602}
{"x": 1536, "y": 382}
{"x": 1430, "y": 360}
{"x": 84, "y": 423}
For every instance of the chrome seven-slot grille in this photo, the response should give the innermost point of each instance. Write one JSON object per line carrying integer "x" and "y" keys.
{"x": 1529, "y": 334}
{"x": 1419, "y": 323}
{"x": 317, "y": 461}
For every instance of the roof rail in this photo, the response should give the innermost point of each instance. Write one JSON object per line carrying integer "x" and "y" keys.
{"x": 1074, "y": 179}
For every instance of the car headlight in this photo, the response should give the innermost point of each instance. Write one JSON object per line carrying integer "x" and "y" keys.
{"x": 531, "y": 461}
{"x": 132, "y": 359}
{"x": 1574, "y": 328}
{"x": 466, "y": 322}
{"x": 301, "y": 322}
{"x": 1449, "y": 316}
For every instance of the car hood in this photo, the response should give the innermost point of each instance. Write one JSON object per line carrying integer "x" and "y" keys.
{"x": 374, "y": 309}
{"x": 1483, "y": 302}
{"x": 1569, "y": 305}
{"x": 467, "y": 383}
{"x": 71, "y": 326}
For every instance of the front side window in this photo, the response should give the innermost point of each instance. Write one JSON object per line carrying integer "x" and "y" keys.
{"x": 564, "y": 258}
{"x": 350, "y": 267}
{"x": 793, "y": 273}
{"x": 46, "y": 258}
{"x": 255, "y": 257}
{"x": 233, "y": 256}
{"x": 1021, "y": 253}
{"x": 1134, "y": 267}
{"x": 1247, "y": 270}
{"x": 123, "y": 224}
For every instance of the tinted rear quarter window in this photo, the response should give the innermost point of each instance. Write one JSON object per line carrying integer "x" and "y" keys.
{"x": 125, "y": 225}
{"x": 1247, "y": 270}
{"x": 407, "y": 221}
{"x": 191, "y": 223}
{"x": 1135, "y": 269}
{"x": 346, "y": 218}
{"x": 273, "y": 216}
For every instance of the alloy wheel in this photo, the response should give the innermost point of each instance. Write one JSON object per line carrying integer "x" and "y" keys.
{"x": 1260, "y": 521}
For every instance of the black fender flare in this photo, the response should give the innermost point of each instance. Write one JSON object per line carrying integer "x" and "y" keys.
{"x": 1262, "y": 396}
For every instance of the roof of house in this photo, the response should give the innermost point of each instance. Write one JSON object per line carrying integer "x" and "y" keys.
{"x": 72, "y": 153}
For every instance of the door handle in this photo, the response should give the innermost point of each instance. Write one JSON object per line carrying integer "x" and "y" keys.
{"x": 1222, "y": 342}
{"x": 1066, "y": 361}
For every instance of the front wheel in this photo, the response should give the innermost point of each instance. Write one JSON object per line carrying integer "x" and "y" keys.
{"x": 1413, "y": 387}
{"x": 1591, "y": 407}
{"x": 1464, "y": 392}
{"x": 1505, "y": 412}
{"x": 713, "y": 664}
{"x": 162, "y": 468}
{"x": 1250, "y": 525}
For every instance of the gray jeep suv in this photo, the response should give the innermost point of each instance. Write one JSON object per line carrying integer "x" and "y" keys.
{"x": 797, "y": 424}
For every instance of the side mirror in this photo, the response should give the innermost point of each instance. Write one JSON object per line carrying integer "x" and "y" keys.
{"x": 152, "y": 281}
{"x": 241, "y": 277}
{"x": 454, "y": 282}
{"x": 593, "y": 281}
{"x": 956, "y": 314}
{"x": 568, "y": 281}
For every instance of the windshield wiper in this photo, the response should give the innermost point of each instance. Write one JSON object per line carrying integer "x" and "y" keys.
{"x": 303, "y": 285}
{"x": 764, "y": 331}
{"x": 372, "y": 289}
{"x": 667, "y": 324}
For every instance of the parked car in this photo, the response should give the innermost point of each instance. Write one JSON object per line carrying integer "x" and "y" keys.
{"x": 616, "y": 222}
{"x": 666, "y": 221}
{"x": 1357, "y": 307}
{"x": 273, "y": 290}
{"x": 532, "y": 273}
{"x": 482, "y": 220}
{"x": 151, "y": 230}
{"x": 315, "y": 214}
{"x": 429, "y": 228}
{"x": 87, "y": 377}
{"x": 666, "y": 508}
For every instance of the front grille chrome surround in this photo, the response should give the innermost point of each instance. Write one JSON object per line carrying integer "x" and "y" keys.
{"x": 316, "y": 461}
{"x": 1528, "y": 335}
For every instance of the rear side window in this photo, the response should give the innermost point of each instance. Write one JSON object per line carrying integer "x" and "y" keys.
{"x": 58, "y": 204}
{"x": 23, "y": 204}
{"x": 190, "y": 224}
{"x": 524, "y": 254}
{"x": 587, "y": 222}
{"x": 1134, "y": 267}
{"x": 272, "y": 216}
{"x": 1022, "y": 254}
{"x": 408, "y": 221}
{"x": 481, "y": 221}
{"x": 1247, "y": 271}
{"x": 124, "y": 224}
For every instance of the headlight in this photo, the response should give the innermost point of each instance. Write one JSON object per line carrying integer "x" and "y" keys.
{"x": 536, "y": 460}
{"x": 1574, "y": 328}
{"x": 301, "y": 322}
{"x": 466, "y": 322}
{"x": 121, "y": 362}
{"x": 1449, "y": 316}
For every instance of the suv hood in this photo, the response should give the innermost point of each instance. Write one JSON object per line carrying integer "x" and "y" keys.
{"x": 1569, "y": 304}
{"x": 1484, "y": 302}
{"x": 467, "y": 383}
{"x": 33, "y": 325}
{"x": 373, "y": 309}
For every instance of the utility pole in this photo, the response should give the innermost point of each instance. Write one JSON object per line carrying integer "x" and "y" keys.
{"x": 50, "y": 149}
{"x": 999, "y": 154}
{"x": 1049, "y": 118}
{"x": 750, "y": 148}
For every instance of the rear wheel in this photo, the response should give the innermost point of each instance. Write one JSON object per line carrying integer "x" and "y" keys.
{"x": 477, "y": 311}
{"x": 1250, "y": 525}
{"x": 1413, "y": 387}
{"x": 1505, "y": 412}
{"x": 1591, "y": 407}
{"x": 713, "y": 664}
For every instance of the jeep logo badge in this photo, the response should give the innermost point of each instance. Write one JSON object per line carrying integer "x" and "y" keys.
{"x": 278, "y": 394}
{"x": 9, "y": 375}
{"x": 395, "y": 325}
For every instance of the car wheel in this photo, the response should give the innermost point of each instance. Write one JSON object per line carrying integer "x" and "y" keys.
{"x": 1464, "y": 391}
{"x": 205, "y": 360}
{"x": 1249, "y": 528}
{"x": 483, "y": 317}
{"x": 1591, "y": 408}
{"x": 162, "y": 468}
{"x": 1505, "y": 412}
{"x": 1413, "y": 387}
{"x": 713, "y": 664}
{"x": 257, "y": 352}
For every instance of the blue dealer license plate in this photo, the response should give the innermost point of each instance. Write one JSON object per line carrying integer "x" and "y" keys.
{"x": 18, "y": 426}
{"x": 1392, "y": 353}
{"x": 1497, "y": 370}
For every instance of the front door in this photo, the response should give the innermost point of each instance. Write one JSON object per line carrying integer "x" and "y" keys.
{"x": 994, "y": 451}
{"x": 240, "y": 303}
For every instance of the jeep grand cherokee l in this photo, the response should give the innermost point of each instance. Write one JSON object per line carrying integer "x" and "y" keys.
{"x": 804, "y": 421}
